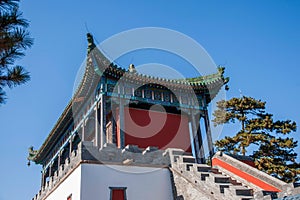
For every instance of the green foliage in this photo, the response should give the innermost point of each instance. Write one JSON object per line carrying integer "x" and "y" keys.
{"x": 14, "y": 40}
{"x": 277, "y": 157}
{"x": 275, "y": 153}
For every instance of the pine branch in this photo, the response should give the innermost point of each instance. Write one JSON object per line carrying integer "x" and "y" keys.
{"x": 275, "y": 155}
{"x": 8, "y": 4}
{"x": 8, "y": 57}
{"x": 12, "y": 19}
{"x": 18, "y": 39}
{"x": 14, "y": 40}
{"x": 2, "y": 96}
{"x": 14, "y": 77}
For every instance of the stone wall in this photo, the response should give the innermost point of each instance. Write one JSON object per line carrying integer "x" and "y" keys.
{"x": 190, "y": 181}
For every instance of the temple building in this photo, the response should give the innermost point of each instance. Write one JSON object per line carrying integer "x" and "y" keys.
{"x": 129, "y": 136}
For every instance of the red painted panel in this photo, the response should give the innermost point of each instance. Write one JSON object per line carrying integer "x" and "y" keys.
{"x": 263, "y": 185}
{"x": 118, "y": 194}
{"x": 152, "y": 128}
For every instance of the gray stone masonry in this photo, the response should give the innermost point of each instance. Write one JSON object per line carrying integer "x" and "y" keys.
{"x": 200, "y": 181}
{"x": 190, "y": 181}
{"x": 109, "y": 154}
{"x": 289, "y": 190}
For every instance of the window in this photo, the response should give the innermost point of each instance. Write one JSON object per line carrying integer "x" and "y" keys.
{"x": 69, "y": 197}
{"x": 118, "y": 193}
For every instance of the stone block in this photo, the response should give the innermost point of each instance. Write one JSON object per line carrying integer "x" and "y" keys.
{"x": 150, "y": 149}
{"x": 128, "y": 161}
{"x": 83, "y": 144}
{"x": 109, "y": 145}
{"x": 132, "y": 148}
{"x": 73, "y": 154}
{"x": 203, "y": 168}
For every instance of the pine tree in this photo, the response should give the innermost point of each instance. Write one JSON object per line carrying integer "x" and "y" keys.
{"x": 14, "y": 40}
{"x": 275, "y": 153}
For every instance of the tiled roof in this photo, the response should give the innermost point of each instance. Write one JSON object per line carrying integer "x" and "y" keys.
{"x": 96, "y": 62}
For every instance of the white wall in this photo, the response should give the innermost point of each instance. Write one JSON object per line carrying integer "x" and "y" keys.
{"x": 143, "y": 183}
{"x": 70, "y": 186}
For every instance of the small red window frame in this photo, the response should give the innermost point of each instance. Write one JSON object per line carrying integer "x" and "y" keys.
{"x": 117, "y": 192}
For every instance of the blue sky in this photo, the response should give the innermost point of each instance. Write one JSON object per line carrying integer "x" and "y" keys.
{"x": 257, "y": 41}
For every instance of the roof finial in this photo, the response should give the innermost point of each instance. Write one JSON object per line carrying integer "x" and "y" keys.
{"x": 91, "y": 44}
{"x": 132, "y": 69}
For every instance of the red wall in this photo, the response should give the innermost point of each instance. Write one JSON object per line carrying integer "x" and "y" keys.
{"x": 151, "y": 128}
